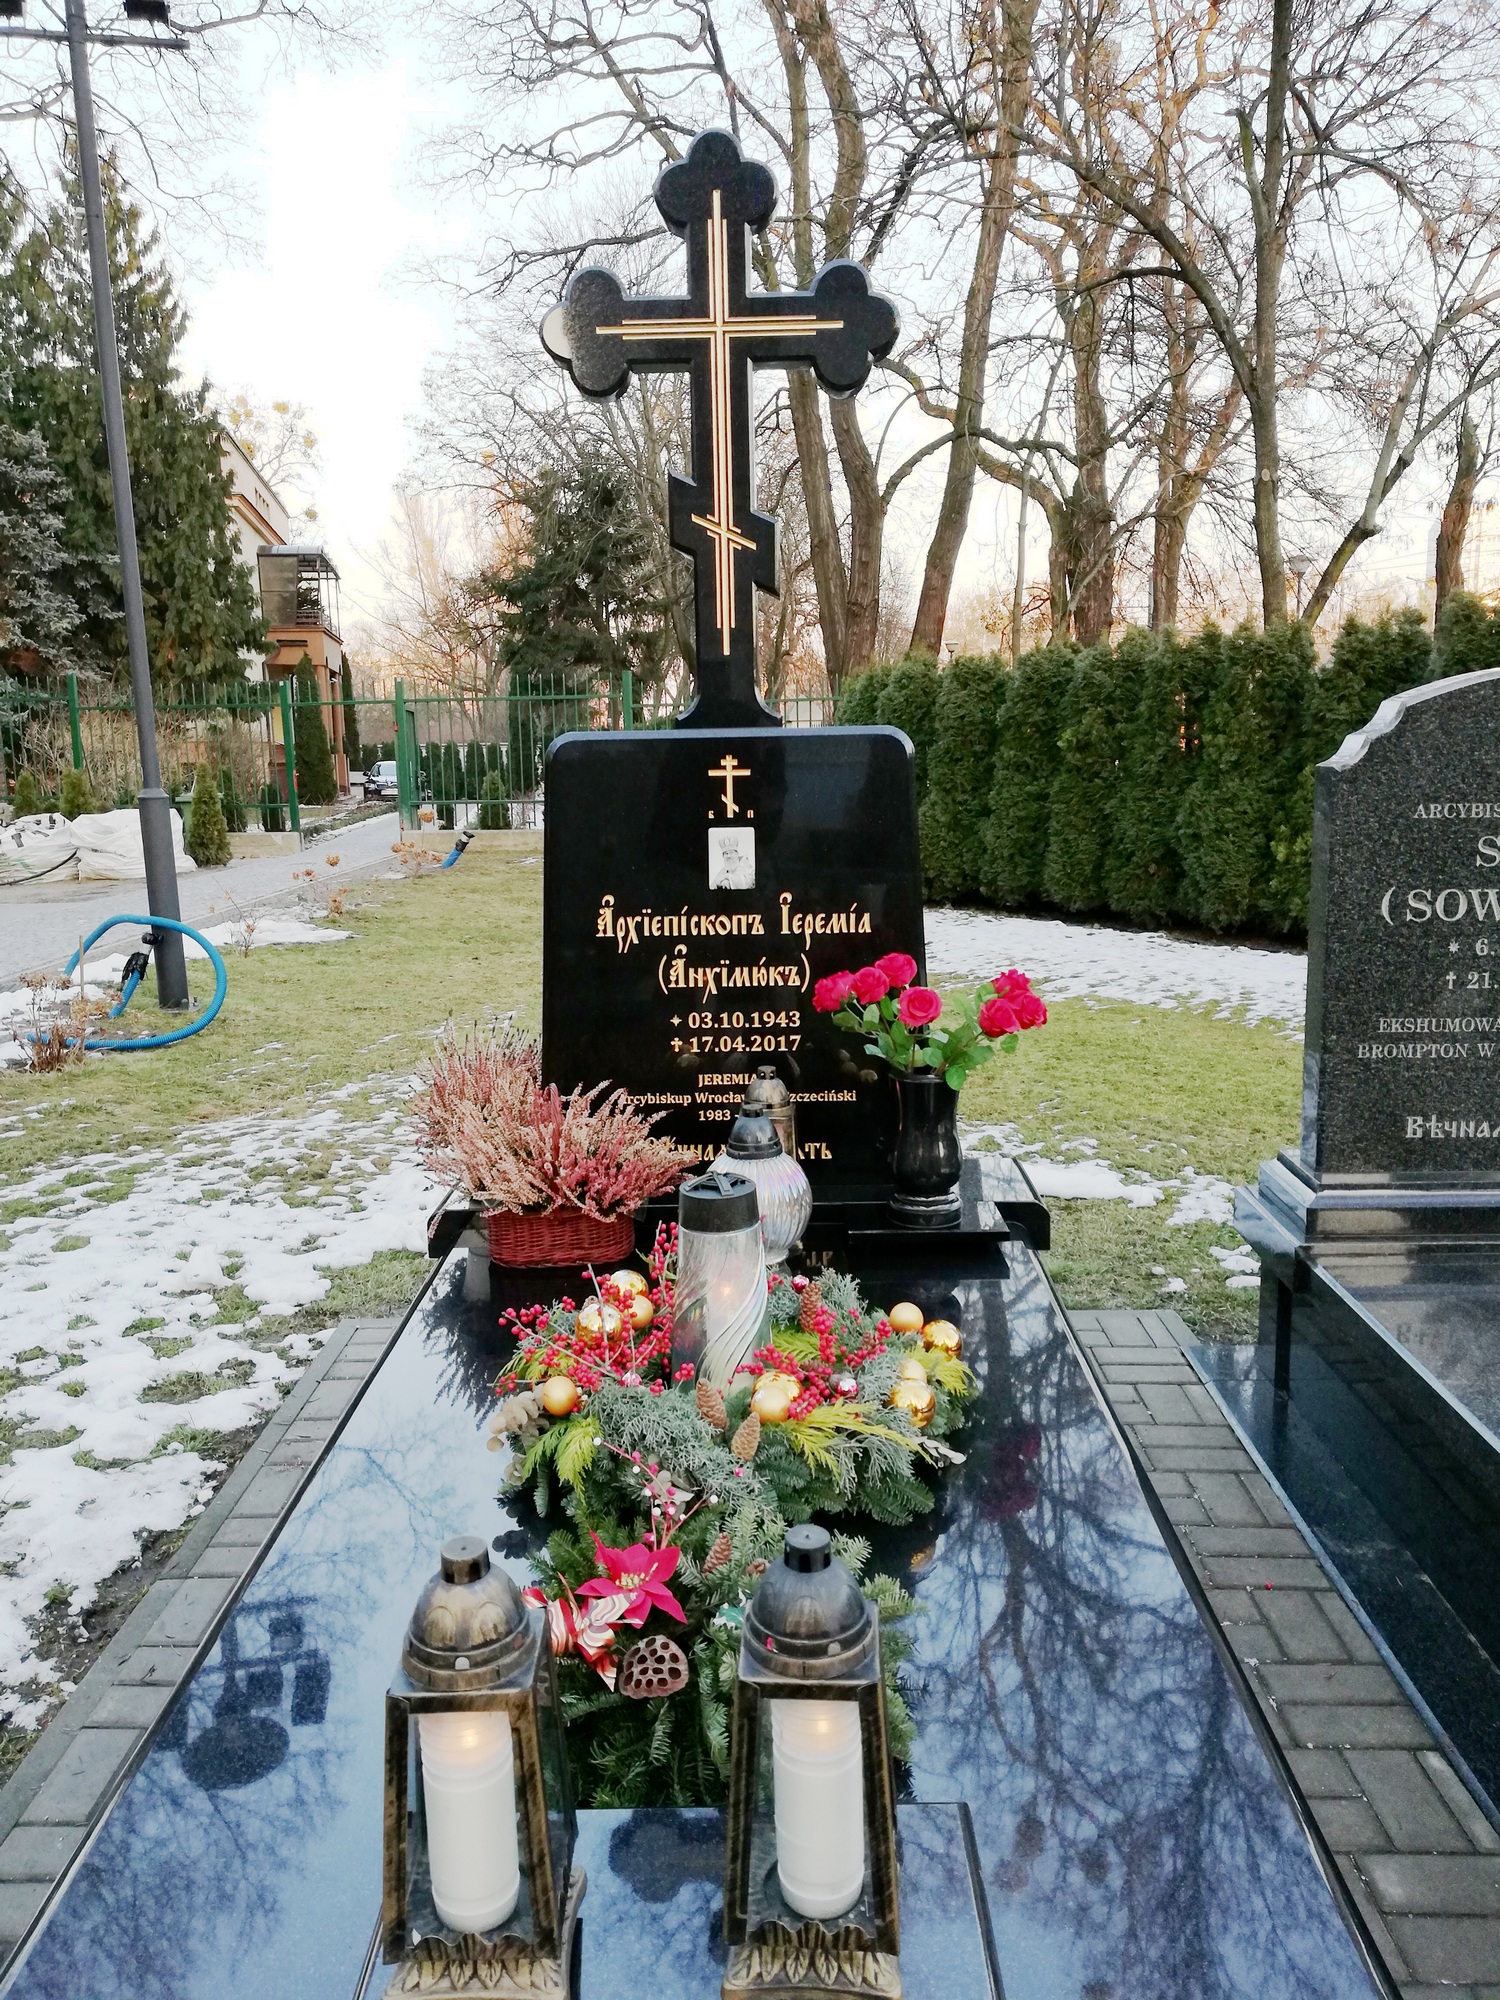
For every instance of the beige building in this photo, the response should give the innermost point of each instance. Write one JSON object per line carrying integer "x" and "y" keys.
{"x": 260, "y": 514}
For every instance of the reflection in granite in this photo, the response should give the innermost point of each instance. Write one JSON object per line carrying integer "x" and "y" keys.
{"x": 1132, "y": 1836}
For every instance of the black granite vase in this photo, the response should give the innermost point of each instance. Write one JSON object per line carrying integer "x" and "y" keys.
{"x": 928, "y": 1157}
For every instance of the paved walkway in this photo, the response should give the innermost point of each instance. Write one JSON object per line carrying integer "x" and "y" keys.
{"x": 1420, "y": 1858}
{"x": 60, "y": 1791}
{"x": 41, "y": 922}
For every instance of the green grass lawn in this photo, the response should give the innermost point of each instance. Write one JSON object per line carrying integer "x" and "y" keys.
{"x": 1157, "y": 1089}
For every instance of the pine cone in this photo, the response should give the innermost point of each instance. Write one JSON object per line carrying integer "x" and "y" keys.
{"x": 746, "y": 1439}
{"x": 812, "y": 1301}
{"x": 719, "y": 1554}
{"x": 711, "y": 1406}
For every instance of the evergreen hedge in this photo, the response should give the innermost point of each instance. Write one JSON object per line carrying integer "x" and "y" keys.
{"x": 859, "y": 697}
{"x": 1080, "y": 823}
{"x": 1027, "y": 756}
{"x": 907, "y": 700}
{"x": 960, "y": 775}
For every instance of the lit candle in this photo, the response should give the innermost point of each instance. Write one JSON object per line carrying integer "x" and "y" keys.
{"x": 818, "y": 1783}
{"x": 469, "y": 1786}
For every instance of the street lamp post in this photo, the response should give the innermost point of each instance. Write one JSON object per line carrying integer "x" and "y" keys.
{"x": 155, "y": 807}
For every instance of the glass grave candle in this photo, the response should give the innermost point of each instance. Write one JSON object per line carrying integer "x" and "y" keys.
{"x": 781, "y": 1188}
{"x": 721, "y": 1310}
{"x": 810, "y": 1862}
{"x": 479, "y": 1822}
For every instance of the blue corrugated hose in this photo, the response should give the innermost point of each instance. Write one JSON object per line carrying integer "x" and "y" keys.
{"x": 221, "y": 985}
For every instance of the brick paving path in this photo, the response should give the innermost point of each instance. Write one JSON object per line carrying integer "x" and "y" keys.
{"x": 62, "y": 1788}
{"x": 1421, "y": 1860}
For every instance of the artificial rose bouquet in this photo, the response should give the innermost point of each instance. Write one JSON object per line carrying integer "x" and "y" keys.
{"x": 908, "y": 1026}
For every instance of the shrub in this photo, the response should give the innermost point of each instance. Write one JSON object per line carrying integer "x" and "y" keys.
{"x": 1027, "y": 756}
{"x": 1245, "y": 830}
{"x": 208, "y": 837}
{"x": 354, "y": 754}
{"x": 1367, "y": 664}
{"x": 907, "y": 700}
{"x": 316, "y": 785}
{"x": 76, "y": 795}
{"x": 1167, "y": 687}
{"x": 272, "y": 812}
{"x": 960, "y": 775}
{"x": 859, "y": 696}
{"x": 1467, "y": 639}
{"x": 1084, "y": 791}
{"x": 494, "y": 806}
{"x": 26, "y": 795}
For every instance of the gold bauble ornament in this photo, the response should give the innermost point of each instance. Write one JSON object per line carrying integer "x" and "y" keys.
{"x": 629, "y": 1284}
{"x": 943, "y": 1337}
{"x": 640, "y": 1312}
{"x": 917, "y": 1400}
{"x": 597, "y": 1321}
{"x": 560, "y": 1396}
{"x": 906, "y": 1318}
{"x": 773, "y": 1396}
{"x": 910, "y": 1369}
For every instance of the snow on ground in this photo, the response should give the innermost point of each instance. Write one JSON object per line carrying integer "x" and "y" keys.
{"x": 1196, "y": 1197}
{"x": 1069, "y": 961}
{"x": 127, "y": 1280}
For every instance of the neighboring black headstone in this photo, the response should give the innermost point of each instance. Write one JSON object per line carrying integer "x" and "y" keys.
{"x": 1401, "y": 1080}
{"x": 699, "y": 883}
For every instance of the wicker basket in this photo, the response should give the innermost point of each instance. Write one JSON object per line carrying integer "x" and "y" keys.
{"x": 563, "y": 1236}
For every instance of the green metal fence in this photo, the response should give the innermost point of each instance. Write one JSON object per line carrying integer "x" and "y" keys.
{"x": 455, "y": 760}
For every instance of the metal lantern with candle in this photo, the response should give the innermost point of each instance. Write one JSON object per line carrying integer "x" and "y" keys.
{"x": 781, "y": 1188}
{"x": 720, "y": 1306}
{"x": 480, "y": 1894}
{"x": 810, "y": 1891}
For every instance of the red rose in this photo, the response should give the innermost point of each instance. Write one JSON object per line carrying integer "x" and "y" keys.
{"x": 1030, "y": 1012}
{"x": 830, "y": 994}
{"x": 1011, "y": 985}
{"x": 870, "y": 985}
{"x": 918, "y": 1005}
{"x": 899, "y": 968}
{"x": 997, "y": 1017}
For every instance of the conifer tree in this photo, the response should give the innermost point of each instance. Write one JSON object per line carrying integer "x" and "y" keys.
{"x": 906, "y": 700}
{"x": 208, "y": 840}
{"x": 859, "y": 696}
{"x": 76, "y": 795}
{"x": 1172, "y": 683}
{"x": 201, "y": 616}
{"x": 354, "y": 755}
{"x": 25, "y": 797}
{"x": 316, "y": 785}
{"x": 1027, "y": 757}
{"x": 960, "y": 775}
{"x": 1467, "y": 638}
{"x": 1080, "y": 825}
{"x": 1245, "y": 829}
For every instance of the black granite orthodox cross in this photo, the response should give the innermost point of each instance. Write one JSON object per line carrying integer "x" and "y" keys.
{"x": 719, "y": 333}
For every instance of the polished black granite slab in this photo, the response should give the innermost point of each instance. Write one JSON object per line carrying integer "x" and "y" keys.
{"x": 1402, "y": 1054}
{"x": 683, "y": 937}
{"x": 1443, "y": 1306}
{"x": 1132, "y": 1833}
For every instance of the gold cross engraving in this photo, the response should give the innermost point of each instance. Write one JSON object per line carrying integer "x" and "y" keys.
{"x": 718, "y": 328}
{"x": 729, "y": 770}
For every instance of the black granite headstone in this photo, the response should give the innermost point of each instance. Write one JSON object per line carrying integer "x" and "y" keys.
{"x": 699, "y": 883}
{"x": 1401, "y": 1079}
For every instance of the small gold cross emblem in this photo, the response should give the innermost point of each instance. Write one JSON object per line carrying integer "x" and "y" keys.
{"x": 729, "y": 770}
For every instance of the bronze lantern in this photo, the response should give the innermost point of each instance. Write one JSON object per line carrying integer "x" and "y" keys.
{"x": 810, "y": 1889}
{"x": 480, "y": 1892}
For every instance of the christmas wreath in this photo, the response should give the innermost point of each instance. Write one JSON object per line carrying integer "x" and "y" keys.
{"x": 671, "y": 1498}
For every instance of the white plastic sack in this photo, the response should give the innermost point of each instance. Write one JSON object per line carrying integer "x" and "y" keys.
{"x": 41, "y": 844}
{"x": 109, "y": 846}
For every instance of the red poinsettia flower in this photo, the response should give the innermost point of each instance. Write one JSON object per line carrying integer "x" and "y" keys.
{"x": 641, "y": 1574}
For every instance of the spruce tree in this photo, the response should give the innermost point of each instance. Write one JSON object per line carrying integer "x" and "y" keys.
{"x": 1167, "y": 686}
{"x": 960, "y": 775}
{"x": 1027, "y": 758}
{"x": 25, "y": 797}
{"x": 316, "y": 784}
{"x": 1080, "y": 824}
{"x": 201, "y": 615}
{"x": 906, "y": 700}
{"x": 208, "y": 840}
{"x": 76, "y": 795}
